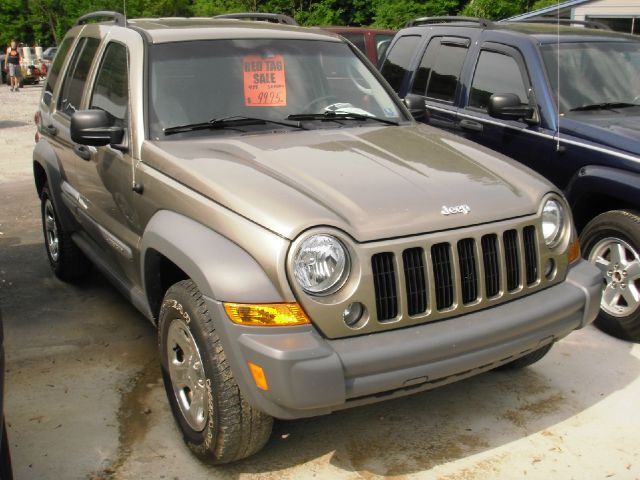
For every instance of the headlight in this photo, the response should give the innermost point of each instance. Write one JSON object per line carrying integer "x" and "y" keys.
{"x": 553, "y": 219}
{"x": 321, "y": 264}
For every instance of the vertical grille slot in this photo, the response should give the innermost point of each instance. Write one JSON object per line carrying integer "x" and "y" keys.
{"x": 530, "y": 254}
{"x": 468, "y": 272}
{"x": 443, "y": 277}
{"x": 384, "y": 282}
{"x": 512, "y": 259}
{"x": 413, "y": 262}
{"x": 491, "y": 264}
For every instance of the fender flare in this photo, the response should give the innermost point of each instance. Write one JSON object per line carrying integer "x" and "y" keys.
{"x": 221, "y": 269}
{"x": 612, "y": 182}
{"x": 46, "y": 158}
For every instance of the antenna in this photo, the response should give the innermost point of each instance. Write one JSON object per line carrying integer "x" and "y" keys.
{"x": 558, "y": 148}
{"x": 124, "y": 10}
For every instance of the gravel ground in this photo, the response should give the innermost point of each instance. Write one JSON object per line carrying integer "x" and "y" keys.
{"x": 84, "y": 397}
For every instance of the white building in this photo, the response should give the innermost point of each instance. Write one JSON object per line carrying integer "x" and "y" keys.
{"x": 620, "y": 15}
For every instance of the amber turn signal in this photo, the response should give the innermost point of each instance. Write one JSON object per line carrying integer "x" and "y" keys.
{"x": 574, "y": 251}
{"x": 258, "y": 376}
{"x": 266, "y": 315}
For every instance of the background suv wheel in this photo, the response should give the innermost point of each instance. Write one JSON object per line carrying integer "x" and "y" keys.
{"x": 611, "y": 241}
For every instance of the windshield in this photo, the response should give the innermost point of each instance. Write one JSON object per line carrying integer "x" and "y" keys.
{"x": 594, "y": 73}
{"x": 196, "y": 82}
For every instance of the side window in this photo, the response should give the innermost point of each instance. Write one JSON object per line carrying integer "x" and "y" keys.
{"x": 73, "y": 83}
{"x": 54, "y": 71}
{"x": 439, "y": 72}
{"x": 357, "y": 39}
{"x": 397, "y": 63}
{"x": 111, "y": 89}
{"x": 382, "y": 44}
{"x": 495, "y": 73}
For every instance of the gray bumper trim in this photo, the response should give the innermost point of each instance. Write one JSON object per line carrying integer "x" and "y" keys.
{"x": 309, "y": 375}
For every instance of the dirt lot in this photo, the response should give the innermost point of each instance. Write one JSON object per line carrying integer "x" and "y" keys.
{"x": 85, "y": 399}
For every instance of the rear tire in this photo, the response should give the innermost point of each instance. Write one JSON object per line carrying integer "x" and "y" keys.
{"x": 217, "y": 422}
{"x": 528, "y": 359}
{"x": 611, "y": 241}
{"x": 66, "y": 259}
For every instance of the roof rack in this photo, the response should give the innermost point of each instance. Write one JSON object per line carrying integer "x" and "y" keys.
{"x": 448, "y": 19}
{"x": 564, "y": 21}
{"x": 118, "y": 18}
{"x": 261, "y": 17}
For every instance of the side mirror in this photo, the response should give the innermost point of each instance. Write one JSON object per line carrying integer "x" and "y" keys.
{"x": 416, "y": 106}
{"x": 507, "y": 106}
{"x": 93, "y": 127}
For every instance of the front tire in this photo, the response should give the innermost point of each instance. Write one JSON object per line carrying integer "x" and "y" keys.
{"x": 66, "y": 259}
{"x": 611, "y": 241}
{"x": 217, "y": 422}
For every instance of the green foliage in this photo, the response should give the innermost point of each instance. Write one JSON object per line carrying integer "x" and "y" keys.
{"x": 543, "y": 4}
{"x": 45, "y": 22}
{"x": 494, "y": 9}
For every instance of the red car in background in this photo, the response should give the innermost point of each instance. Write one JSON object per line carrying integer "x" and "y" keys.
{"x": 373, "y": 42}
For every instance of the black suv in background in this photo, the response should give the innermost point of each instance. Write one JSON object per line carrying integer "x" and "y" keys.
{"x": 563, "y": 100}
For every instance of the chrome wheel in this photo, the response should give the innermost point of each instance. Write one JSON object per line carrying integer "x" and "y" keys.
{"x": 51, "y": 231}
{"x": 187, "y": 374}
{"x": 619, "y": 263}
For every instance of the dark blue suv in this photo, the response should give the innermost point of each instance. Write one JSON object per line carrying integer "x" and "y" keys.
{"x": 562, "y": 99}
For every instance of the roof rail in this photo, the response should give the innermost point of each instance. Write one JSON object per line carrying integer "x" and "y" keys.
{"x": 564, "y": 21}
{"x": 448, "y": 19}
{"x": 118, "y": 18}
{"x": 261, "y": 17}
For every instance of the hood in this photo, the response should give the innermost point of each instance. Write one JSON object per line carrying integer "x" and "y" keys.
{"x": 371, "y": 182}
{"x": 618, "y": 129}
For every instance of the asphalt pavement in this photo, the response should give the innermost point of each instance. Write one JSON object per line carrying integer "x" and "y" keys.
{"x": 84, "y": 398}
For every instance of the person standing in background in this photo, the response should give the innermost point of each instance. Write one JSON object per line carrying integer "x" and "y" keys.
{"x": 12, "y": 62}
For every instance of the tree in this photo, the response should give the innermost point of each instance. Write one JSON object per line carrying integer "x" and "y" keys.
{"x": 494, "y": 9}
{"x": 390, "y": 14}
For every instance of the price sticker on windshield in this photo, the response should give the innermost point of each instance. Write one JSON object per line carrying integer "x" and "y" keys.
{"x": 264, "y": 81}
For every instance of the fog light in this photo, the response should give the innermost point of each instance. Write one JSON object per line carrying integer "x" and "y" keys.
{"x": 353, "y": 314}
{"x": 550, "y": 269}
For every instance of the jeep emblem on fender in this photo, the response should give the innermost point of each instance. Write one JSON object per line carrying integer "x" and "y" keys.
{"x": 457, "y": 209}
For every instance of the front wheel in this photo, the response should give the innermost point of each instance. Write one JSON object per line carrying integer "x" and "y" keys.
{"x": 611, "y": 241}
{"x": 217, "y": 422}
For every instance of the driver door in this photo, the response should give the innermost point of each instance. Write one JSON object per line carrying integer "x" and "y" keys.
{"x": 105, "y": 173}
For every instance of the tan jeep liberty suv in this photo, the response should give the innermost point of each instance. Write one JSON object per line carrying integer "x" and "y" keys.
{"x": 301, "y": 243}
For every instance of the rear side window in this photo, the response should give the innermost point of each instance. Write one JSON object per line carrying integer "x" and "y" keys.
{"x": 54, "y": 71}
{"x": 397, "y": 63}
{"x": 496, "y": 73}
{"x": 111, "y": 89}
{"x": 73, "y": 83}
{"x": 357, "y": 39}
{"x": 439, "y": 72}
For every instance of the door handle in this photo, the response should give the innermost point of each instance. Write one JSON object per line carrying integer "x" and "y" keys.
{"x": 83, "y": 152}
{"x": 51, "y": 130}
{"x": 471, "y": 125}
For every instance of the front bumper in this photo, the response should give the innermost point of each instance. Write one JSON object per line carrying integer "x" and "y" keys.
{"x": 310, "y": 375}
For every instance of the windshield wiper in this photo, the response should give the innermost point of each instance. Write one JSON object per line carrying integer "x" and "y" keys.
{"x": 334, "y": 116}
{"x": 231, "y": 122}
{"x": 604, "y": 106}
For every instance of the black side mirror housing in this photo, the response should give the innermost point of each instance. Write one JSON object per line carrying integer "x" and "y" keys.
{"x": 507, "y": 106}
{"x": 416, "y": 106}
{"x": 93, "y": 127}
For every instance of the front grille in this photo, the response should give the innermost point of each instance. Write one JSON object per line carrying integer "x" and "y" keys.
{"x": 446, "y": 276}
{"x": 468, "y": 274}
{"x": 512, "y": 259}
{"x": 491, "y": 264}
{"x": 530, "y": 254}
{"x": 413, "y": 263}
{"x": 384, "y": 283}
{"x": 442, "y": 275}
